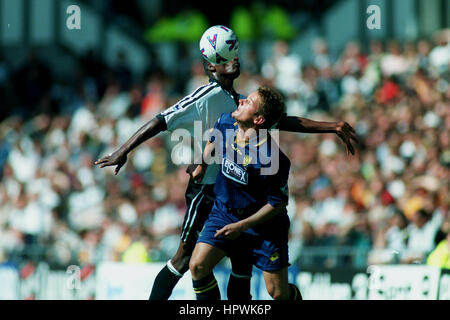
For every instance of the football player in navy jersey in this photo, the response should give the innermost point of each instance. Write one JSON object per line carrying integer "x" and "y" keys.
{"x": 206, "y": 104}
{"x": 249, "y": 216}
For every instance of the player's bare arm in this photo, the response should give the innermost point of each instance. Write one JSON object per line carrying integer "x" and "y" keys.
{"x": 304, "y": 125}
{"x": 198, "y": 171}
{"x": 234, "y": 230}
{"x": 119, "y": 157}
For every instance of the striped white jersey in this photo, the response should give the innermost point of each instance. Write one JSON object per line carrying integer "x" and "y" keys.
{"x": 206, "y": 104}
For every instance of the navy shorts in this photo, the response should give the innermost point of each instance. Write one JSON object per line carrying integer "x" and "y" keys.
{"x": 267, "y": 244}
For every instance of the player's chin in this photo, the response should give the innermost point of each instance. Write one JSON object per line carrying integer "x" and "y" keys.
{"x": 235, "y": 73}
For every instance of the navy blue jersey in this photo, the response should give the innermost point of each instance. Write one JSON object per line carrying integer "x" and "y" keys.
{"x": 252, "y": 174}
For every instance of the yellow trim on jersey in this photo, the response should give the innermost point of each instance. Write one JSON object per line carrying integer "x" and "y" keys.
{"x": 243, "y": 143}
{"x": 236, "y": 149}
{"x": 261, "y": 142}
{"x": 240, "y": 143}
{"x": 274, "y": 256}
{"x": 247, "y": 160}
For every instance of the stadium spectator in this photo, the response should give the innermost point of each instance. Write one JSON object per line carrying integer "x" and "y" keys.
{"x": 283, "y": 68}
{"x": 440, "y": 256}
{"x": 421, "y": 235}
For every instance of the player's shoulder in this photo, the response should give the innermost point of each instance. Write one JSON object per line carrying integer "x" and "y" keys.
{"x": 202, "y": 93}
{"x": 205, "y": 90}
{"x": 226, "y": 121}
{"x": 198, "y": 96}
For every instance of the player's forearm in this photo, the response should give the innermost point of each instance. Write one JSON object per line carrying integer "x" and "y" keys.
{"x": 208, "y": 153}
{"x": 198, "y": 171}
{"x": 299, "y": 124}
{"x": 147, "y": 131}
{"x": 264, "y": 214}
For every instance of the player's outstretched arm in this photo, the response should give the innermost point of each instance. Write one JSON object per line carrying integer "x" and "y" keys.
{"x": 119, "y": 157}
{"x": 341, "y": 128}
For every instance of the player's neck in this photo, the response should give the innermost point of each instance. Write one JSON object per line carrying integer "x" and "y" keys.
{"x": 225, "y": 83}
{"x": 244, "y": 133}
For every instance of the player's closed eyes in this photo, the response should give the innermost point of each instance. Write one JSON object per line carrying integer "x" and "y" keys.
{"x": 245, "y": 102}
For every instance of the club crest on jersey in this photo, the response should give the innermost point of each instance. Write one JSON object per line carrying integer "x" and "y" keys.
{"x": 213, "y": 41}
{"x": 247, "y": 160}
{"x": 274, "y": 256}
{"x": 234, "y": 172}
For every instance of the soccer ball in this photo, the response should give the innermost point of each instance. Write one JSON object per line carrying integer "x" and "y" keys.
{"x": 219, "y": 45}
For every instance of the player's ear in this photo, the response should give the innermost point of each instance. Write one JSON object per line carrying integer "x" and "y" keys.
{"x": 259, "y": 120}
{"x": 211, "y": 67}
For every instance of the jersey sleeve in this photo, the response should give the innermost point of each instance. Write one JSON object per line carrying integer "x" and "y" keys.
{"x": 278, "y": 191}
{"x": 189, "y": 109}
{"x": 181, "y": 115}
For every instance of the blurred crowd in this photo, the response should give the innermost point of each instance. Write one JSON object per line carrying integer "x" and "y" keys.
{"x": 389, "y": 202}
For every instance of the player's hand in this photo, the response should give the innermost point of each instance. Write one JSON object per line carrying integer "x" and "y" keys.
{"x": 116, "y": 158}
{"x": 198, "y": 173}
{"x": 191, "y": 168}
{"x": 231, "y": 231}
{"x": 347, "y": 134}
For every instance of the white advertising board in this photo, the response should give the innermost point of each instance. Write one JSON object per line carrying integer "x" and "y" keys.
{"x": 403, "y": 282}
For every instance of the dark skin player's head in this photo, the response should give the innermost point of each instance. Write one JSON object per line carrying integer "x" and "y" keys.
{"x": 225, "y": 73}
